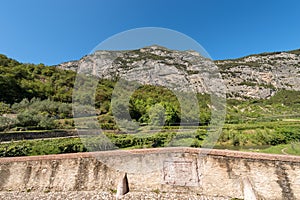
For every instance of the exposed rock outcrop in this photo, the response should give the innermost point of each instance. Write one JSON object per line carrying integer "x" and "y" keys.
{"x": 255, "y": 76}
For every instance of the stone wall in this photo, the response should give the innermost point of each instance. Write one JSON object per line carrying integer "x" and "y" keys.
{"x": 212, "y": 173}
{"x": 28, "y": 135}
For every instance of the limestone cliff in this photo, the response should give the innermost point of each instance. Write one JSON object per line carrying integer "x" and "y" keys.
{"x": 255, "y": 76}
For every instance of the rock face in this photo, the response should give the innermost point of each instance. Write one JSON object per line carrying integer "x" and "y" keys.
{"x": 260, "y": 76}
{"x": 255, "y": 76}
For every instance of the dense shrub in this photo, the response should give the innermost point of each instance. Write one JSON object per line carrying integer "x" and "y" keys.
{"x": 6, "y": 123}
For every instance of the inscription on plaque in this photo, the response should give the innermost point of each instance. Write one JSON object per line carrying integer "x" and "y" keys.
{"x": 181, "y": 173}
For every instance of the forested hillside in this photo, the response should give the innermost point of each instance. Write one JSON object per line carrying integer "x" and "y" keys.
{"x": 39, "y": 97}
{"x": 36, "y": 92}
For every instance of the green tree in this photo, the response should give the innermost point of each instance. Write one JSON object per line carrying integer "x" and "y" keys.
{"x": 46, "y": 123}
{"x": 171, "y": 114}
{"x": 6, "y": 123}
{"x": 28, "y": 118}
{"x": 4, "y": 108}
{"x": 157, "y": 115}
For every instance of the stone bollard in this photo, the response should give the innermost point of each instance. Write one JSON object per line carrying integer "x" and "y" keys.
{"x": 249, "y": 192}
{"x": 123, "y": 187}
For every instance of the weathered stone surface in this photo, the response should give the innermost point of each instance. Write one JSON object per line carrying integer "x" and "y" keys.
{"x": 260, "y": 76}
{"x": 95, "y": 195}
{"x": 199, "y": 173}
{"x": 255, "y": 76}
{"x": 154, "y": 65}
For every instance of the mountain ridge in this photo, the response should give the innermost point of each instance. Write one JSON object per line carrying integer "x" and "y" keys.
{"x": 293, "y": 51}
{"x": 256, "y": 76}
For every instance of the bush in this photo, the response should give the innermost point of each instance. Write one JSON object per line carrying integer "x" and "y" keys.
{"x": 107, "y": 126}
{"x": 20, "y": 149}
{"x": 28, "y": 118}
{"x": 72, "y": 148}
{"x": 4, "y": 108}
{"x": 46, "y": 123}
{"x": 51, "y": 108}
{"x": 6, "y": 123}
{"x": 42, "y": 147}
{"x": 31, "y": 118}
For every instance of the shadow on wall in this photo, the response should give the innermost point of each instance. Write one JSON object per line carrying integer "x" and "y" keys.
{"x": 210, "y": 173}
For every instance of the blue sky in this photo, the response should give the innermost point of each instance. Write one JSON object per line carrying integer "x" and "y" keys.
{"x": 53, "y": 31}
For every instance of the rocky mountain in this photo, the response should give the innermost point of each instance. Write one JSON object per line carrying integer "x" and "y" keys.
{"x": 261, "y": 75}
{"x": 255, "y": 76}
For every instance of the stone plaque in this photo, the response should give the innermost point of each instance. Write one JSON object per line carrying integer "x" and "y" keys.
{"x": 181, "y": 173}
